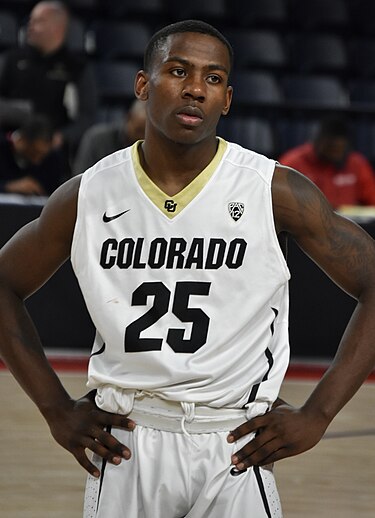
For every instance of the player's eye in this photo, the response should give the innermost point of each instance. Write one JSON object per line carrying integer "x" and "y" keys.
{"x": 179, "y": 72}
{"x": 214, "y": 79}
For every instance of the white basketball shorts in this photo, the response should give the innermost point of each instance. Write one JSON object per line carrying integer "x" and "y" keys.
{"x": 179, "y": 472}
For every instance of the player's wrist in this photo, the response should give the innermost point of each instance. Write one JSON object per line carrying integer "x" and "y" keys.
{"x": 53, "y": 410}
{"x": 317, "y": 414}
{"x": 278, "y": 402}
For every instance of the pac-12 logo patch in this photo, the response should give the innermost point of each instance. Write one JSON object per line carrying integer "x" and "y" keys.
{"x": 236, "y": 209}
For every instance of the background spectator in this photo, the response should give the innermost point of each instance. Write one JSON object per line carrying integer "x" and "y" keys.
{"x": 28, "y": 162}
{"x": 47, "y": 78}
{"x": 345, "y": 176}
{"x": 103, "y": 139}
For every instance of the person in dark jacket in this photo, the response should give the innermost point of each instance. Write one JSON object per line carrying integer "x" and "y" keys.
{"x": 28, "y": 162}
{"x": 45, "y": 77}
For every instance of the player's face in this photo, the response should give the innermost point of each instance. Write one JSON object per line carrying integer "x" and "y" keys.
{"x": 187, "y": 88}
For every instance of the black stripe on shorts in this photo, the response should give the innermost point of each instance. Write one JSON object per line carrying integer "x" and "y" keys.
{"x": 102, "y": 471}
{"x": 262, "y": 490}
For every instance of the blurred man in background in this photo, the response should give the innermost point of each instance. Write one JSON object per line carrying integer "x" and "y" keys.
{"x": 345, "y": 176}
{"x": 103, "y": 139}
{"x": 28, "y": 162}
{"x": 44, "y": 77}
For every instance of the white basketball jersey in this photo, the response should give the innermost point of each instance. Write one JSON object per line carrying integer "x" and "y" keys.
{"x": 189, "y": 294}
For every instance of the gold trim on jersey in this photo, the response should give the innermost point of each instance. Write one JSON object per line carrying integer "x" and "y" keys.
{"x": 173, "y": 205}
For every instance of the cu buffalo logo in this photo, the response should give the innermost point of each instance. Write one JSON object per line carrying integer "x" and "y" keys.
{"x": 170, "y": 205}
{"x": 236, "y": 209}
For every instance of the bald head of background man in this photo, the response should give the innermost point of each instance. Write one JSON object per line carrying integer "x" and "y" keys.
{"x": 48, "y": 25}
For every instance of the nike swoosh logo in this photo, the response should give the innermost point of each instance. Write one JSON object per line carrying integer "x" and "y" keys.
{"x": 107, "y": 219}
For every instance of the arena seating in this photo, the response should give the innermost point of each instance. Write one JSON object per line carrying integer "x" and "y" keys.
{"x": 294, "y": 61}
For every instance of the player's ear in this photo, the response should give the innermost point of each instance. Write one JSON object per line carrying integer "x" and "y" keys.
{"x": 141, "y": 85}
{"x": 229, "y": 95}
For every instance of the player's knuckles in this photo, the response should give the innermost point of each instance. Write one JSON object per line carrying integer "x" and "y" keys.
{"x": 115, "y": 449}
{"x": 249, "y": 460}
{"x": 67, "y": 437}
{"x": 96, "y": 416}
{"x": 277, "y": 428}
{"x": 86, "y": 464}
{"x": 245, "y": 452}
{"x": 259, "y": 458}
{"x": 106, "y": 438}
{"x": 242, "y": 430}
{"x": 75, "y": 443}
{"x": 122, "y": 422}
{"x": 274, "y": 457}
{"x": 111, "y": 443}
{"x": 100, "y": 450}
{"x": 85, "y": 424}
{"x": 80, "y": 456}
{"x": 278, "y": 455}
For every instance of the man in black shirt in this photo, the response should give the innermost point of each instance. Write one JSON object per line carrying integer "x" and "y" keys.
{"x": 45, "y": 77}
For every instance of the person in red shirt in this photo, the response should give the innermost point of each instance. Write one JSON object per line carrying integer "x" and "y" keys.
{"x": 345, "y": 176}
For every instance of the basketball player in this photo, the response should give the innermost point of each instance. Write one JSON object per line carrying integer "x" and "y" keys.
{"x": 174, "y": 243}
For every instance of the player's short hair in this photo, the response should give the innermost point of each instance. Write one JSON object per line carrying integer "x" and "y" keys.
{"x": 159, "y": 38}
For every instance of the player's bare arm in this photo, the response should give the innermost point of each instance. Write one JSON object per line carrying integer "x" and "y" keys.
{"x": 27, "y": 261}
{"x": 347, "y": 254}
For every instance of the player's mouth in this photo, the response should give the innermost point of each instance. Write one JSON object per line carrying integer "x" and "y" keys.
{"x": 190, "y": 116}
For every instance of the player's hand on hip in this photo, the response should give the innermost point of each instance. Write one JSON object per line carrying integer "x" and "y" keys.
{"x": 283, "y": 432}
{"x": 81, "y": 425}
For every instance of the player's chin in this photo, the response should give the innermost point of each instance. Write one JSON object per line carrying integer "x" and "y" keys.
{"x": 191, "y": 136}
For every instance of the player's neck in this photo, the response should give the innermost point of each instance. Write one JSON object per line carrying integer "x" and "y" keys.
{"x": 172, "y": 166}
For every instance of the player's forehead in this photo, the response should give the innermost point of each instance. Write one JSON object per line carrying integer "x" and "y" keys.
{"x": 193, "y": 47}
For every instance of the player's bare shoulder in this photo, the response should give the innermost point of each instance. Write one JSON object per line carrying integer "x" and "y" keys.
{"x": 296, "y": 200}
